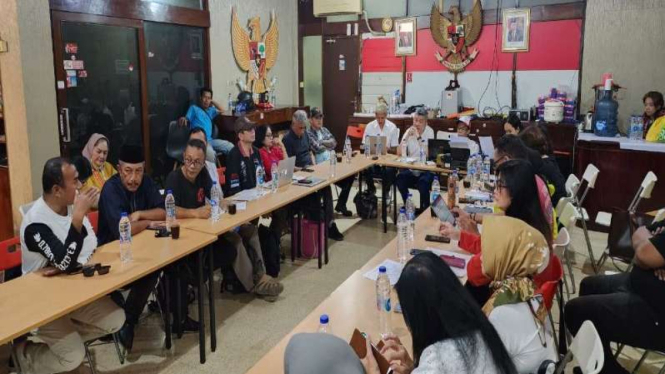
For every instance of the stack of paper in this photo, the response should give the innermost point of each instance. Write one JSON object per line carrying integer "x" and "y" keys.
{"x": 393, "y": 269}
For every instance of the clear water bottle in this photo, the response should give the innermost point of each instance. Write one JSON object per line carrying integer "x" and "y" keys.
{"x": 471, "y": 170}
{"x": 366, "y": 147}
{"x": 324, "y": 324}
{"x": 403, "y": 239}
{"x": 479, "y": 172}
{"x": 229, "y": 103}
{"x": 215, "y": 202}
{"x": 423, "y": 152}
{"x": 404, "y": 149}
{"x": 169, "y": 203}
{"x": 348, "y": 150}
{"x": 125, "y": 230}
{"x": 410, "y": 209}
{"x": 636, "y": 131}
{"x": 333, "y": 164}
{"x": 456, "y": 176}
{"x": 486, "y": 170}
{"x": 383, "y": 301}
{"x": 260, "y": 176}
{"x": 436, "y": 190}
{"x": 274, "y": 171}
{"x": 379, "y": 148}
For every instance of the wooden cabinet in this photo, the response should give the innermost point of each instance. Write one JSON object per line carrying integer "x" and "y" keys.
{"x": 278, "y": 118}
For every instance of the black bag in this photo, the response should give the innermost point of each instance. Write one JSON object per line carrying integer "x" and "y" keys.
{"x": 270, "y": 249}
{"x": 622, "y": 227}
{"x": 366, "y": 205}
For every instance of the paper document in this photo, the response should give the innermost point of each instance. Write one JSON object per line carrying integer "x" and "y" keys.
{"x": 393, "y": 269}
{"x": 487, "y": 146}
{"x": 408, "y": 160}
{"x": 459, "y": 272}
{"x": 248, "y": 195}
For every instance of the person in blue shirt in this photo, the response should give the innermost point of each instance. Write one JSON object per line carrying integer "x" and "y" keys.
{"x": 201, "y": 115}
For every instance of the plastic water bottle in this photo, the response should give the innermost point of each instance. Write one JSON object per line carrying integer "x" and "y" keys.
{"x": 636, "y": 131}
{"x": 404, "y": 149}
{"x": 471, "y": 170}
{"x": 366, "y": 147}
{"x": 324, "y": 324}
{"x": 125, "y": 230}
{"x": 423, "y": 150}
{"x": 456, "y": 175}
{"x": 379, "y": 149}
{"x": 403, "y": 237}
{"x": 169, "y": 203}
{"x": 410, "y": 209}
{"x": 486, "y": 170}
{"x": 215, "y": 201}
{"x": 347, "y": 150}
{"x": 230, "y": 103}
{"x": 436, "y": 190}
{"x": 333, "y": 164}
{"x": 274, "y": 171}
{"x": 479, "y": 171}
{"x": 260, "y": 176}
{"x": 383, "y": 301}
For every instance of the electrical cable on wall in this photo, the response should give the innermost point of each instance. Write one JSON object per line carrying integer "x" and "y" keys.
{"x": 493, "y": 67}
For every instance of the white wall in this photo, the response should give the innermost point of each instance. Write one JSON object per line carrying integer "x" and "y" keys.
{"x": 225, "y": 71}
{"x": 625, "y": 38}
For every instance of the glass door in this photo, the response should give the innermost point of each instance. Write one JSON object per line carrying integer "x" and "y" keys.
{"x": 98, "y": 77}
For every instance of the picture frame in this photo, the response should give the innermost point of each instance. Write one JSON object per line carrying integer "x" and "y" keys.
{"x": 405, "y": 36}
{"x": 515, "y": 32}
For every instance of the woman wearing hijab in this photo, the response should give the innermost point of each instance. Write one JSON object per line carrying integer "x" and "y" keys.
{"x": 96, "y": 151}
{"x": 513, "y": 253}
{"x": 517, "y": 194}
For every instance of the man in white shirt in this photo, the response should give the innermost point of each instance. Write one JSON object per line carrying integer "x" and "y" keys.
{"x": 463, "y": 131}
{"x": 381, "y": 126}
{"x": 416, "y": 137}
{"x": 53, "y": 234}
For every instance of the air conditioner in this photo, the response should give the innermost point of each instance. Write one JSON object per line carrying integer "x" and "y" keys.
{"x": 324, "y": 8}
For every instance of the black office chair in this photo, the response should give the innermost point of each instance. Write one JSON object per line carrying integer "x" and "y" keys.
{"x": 177, "y": 141}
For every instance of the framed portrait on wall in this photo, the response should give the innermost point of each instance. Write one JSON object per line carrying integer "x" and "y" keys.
{"x": 405, "y": 37}
{"x": 516, "y": 26}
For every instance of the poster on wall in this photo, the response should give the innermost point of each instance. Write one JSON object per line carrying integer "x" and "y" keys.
{"x": 405, "y": 37}
{"x": 515, "y": 36}
{"x": 71, "y": 48}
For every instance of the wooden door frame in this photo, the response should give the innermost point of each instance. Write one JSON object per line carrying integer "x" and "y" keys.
{"x": 58, "y": 17}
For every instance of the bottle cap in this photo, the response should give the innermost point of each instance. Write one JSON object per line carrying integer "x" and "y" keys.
{"x": 123, "y": 214}
{"x": 324, "y": 319}
{"x": 382, "y": 269}
{"x": 409, "y": 194}
{"x": 402, "y": 210}
{"x": 168, "y": 192}
{"x": 214, "y": 183}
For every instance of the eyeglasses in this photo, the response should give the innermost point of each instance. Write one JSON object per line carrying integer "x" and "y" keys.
{"x": 194, "y": 163}
{"x": 89, "y": 270}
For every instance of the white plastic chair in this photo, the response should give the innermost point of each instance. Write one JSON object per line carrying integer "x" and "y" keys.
{"x": 25, "y": 208}
{"x": 659, "y": 216}
{"x": 644, "y": 192}
{"x": 587, "y": 350}
{"x": 590, "y": 176}
{"x": 560, "y": 246}
{"x": 568, "y": 217}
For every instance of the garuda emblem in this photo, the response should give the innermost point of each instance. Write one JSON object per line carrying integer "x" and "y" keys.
{"x": 456, "y": 35}
{"x": 253, "y": 53}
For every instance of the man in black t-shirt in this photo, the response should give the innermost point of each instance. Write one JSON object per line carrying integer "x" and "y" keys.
{"x": 191, "y": 185}
{"x": 627, "y": 308}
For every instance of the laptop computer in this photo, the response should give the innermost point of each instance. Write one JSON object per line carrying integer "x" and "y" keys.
{"x": 374, "y": 141}
{"x": 436, "y": 147}
{"x": 285, "y": 171}
{"x": 459, "y": 157}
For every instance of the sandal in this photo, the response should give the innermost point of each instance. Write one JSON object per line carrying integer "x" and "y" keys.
{"x": 268, "y": 288}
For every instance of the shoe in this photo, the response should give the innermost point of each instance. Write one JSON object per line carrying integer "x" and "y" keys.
{"x": 126, "y": 336}
{"x": 188, "y": 325}
{"x": 334, "y": 234}
{"x": 345, "y": 212}
{"x": 268, "y": 288}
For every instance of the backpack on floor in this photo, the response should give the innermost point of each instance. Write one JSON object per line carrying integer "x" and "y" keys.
{"x": 366, "y": 205}
{"x": 270, "y": 247}
{"x": 308, "y": 231}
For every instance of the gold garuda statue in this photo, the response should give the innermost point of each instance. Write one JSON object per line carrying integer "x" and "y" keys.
{"x": 255, "y": 54}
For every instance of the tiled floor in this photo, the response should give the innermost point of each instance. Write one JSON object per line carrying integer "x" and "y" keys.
{"x": 248, "y": 327}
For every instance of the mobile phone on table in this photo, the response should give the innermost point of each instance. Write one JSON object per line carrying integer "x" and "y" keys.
{"x": 437, "y": 239}
{"x": 454, "y": 262}
{"x": 305, "y": 181}
{"x": 415, "y": 251}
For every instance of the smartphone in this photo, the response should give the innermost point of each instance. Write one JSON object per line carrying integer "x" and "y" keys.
{"x": 440, "y": 208}
{"x": 305, "y": 181}
{"x": 437, "y": 239}
{"x": 454, "y": 262}
{"x": 415, "y": 251}
{"x": 307, "y": 170}
{"x": 161, "y": 232}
